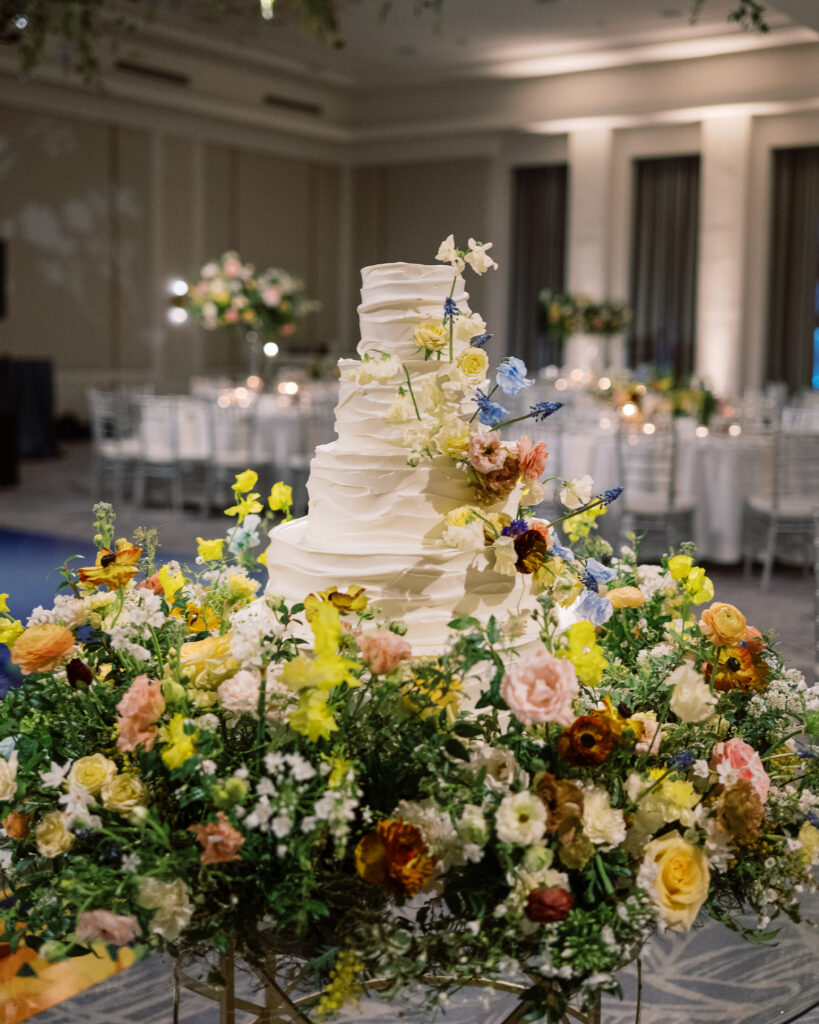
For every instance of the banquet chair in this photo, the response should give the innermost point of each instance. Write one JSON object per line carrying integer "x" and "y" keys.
{"x": 234, "y": 448}
{"x": 115, "y": 443}
{"x": 778, "y": 519}
{"x": 648, "y": 469}
{"x": 173, "y": 440}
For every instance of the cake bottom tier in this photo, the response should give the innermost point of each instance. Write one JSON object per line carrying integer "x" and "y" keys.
{"x": 426, "y": 592}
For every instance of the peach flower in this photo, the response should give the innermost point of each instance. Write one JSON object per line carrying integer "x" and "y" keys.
{"x": 103, "y": 926}
{"x": 485, "y": 452}
{"x": 43, "y": 648}
{"x": 532, "y": 458}
{"x": 541, "y": 689}
{"x": 723, "y": 624}
{"x": 383, "y": 652}
{"x": 754, "y": 641}
{"x": 746, "y": 761}
{"x": 626, "y": 597}
{"x": 220, "y": 843}
{"x": 140, "y": 707}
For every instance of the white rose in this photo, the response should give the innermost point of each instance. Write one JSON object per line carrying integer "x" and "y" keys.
{"x": 578, "y": 492}
{"x": 468, "y": 327}
{"x": 691, "y": 700}
{"x": 603, "y": 824}
{"x": 521, "y": 819}
{"x": 170, "y": 900}
{"x": 472, "y": 827}
{"x": 8, "y": 777}
{"x": 477, "y": 257}
{"x": 505, "y": 555}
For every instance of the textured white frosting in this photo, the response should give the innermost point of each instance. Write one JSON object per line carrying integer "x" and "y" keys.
{"x": 374, "y": 520}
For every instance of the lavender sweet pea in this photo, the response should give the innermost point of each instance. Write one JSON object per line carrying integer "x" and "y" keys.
{"x": 511, "y": 376}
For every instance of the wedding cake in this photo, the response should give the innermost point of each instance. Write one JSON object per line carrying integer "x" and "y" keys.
{"x": 377, "y": 515}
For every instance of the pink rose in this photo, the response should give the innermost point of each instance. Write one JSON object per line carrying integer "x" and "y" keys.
{"x": 220, "y": 843}
{"x": 746, "y": 761}
{"x": 240, "y": 693}
{"x": 532, "y": 458}
{"x": 485, "y": 452}
{"x": 232, "y": 268}
{"x": 103, "y": 926}
{"x": 541, "y": 689}
{"x": 272, "y": 295}
{"x": 139, "y": 708}
{"x": 231, "y": 316}
{"x": 383, "y": 652}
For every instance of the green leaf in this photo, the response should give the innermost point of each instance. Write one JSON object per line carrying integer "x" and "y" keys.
{"x": 26, "y": 971}
{"x": 456, "y": 749}
{"x": 464, "y": 622}
{"x": 467, "y": 729}
{"x": 297, "y": 608}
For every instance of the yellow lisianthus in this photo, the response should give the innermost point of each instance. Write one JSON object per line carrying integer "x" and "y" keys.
{"x": 312, "y": 718}
{"x": 281, "y": 498}
{"x": 172, "y": 583}
{"x": 180, "y": 745}
{"x": 246, "y": 481}
{"x": 210, "y": 550}
{"x": 244, "y": 506}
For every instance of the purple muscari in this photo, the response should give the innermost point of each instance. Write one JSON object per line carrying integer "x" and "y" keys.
{"x": 612, "y": 494}
{"x": 450, "y": 308}
{"x": 515, "y": 528}
{"x": 490, "y": 413}
{"x": 479, "y": 340}
{"x": 593, "y": 607}
{"x": 543, "y": 410}
{"x": 806, "y": 752}
{"x": 511, "y": 376}
{"x": 683, "y": 760}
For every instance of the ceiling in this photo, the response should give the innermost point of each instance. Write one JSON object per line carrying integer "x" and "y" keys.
{"x": 405, "y": 42}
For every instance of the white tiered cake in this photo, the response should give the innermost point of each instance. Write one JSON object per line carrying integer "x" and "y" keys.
{"x": 373, "y": 519}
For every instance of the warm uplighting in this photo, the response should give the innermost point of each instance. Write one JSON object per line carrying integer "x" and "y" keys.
{"x": 629, "y": 409}
{"x": 178, "y": 287}
{"x": 223, "y": 401}
{"x": 177, "y": 315}
{"x": 648, "y": 428}
{"x": 270, "y": 348}
{"x": 735, "y": 430}
{"x": 604, "y": 383}
{"x": 701, "y": 431}
{"x": 240, "y": 393}
{"x": 288, "y": 387}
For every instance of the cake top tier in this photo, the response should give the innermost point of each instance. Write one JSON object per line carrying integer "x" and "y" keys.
{"x": 410, "y": 285}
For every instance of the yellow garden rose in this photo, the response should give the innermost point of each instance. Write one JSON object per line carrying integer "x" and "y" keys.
{"x": 677, "y": 875}
{"x": 207, "y": 662}
{"x": 723, "y": 624}
{"x": 473, "y": 364}
{"x": 432, "y": 335}
{"x": 92, "y": 772}
{"x": 809, "y": 838}
{"x": 123, "y": 793}
{"x": 52, "y": 836}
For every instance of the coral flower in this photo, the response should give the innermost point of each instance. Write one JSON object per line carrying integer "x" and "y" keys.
{"x": 587, "y": 741}
{"x": 42, "y": 648}
{"x": 723, "y": 624}
{"x": 114, "y": 569}
{"x": 626, "y": 597}
{"x": 532, "y": 458}
{"x": 16, "y": 825}
{"x": 395, "y": 855}
{"x": 139, "y": 709}
{"x": 220, "y": 843}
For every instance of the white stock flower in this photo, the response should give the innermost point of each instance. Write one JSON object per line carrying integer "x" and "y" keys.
{"x": 520, "y": 819}
{"x": 240, "y": 693}
{"x": 477, "y": 257}
{"x": 505, "y": 555}
{"x": 577, "y": 492}
{"x": 691, "y": 699}
{"x": 447, "y": 253}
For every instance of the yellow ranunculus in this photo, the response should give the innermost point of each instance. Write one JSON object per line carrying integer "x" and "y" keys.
{"x": 432, "y": 336}
{"x": 92, "y": 772}
{"x": 52, "y": 835}
{"x": 676, "y": 874}
{"x": 123, "y": 793}
{"x": 312, "y": 718}
{"x": 473, "y": 364}
{"x": 246, "y": 481}
{"x": 680, "y": 566}
{"x": 626, "y": 597}
{"x": 172, "y": 582}
{"x": 723, "y": 624}
{"x": 281, "y": 497}
{"x": 210, "y": 550}
{"x": 180, "y": 745}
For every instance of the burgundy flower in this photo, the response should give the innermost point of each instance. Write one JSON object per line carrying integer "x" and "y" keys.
{"x": 530, "y": 547}
{"x": 551, "y": 904}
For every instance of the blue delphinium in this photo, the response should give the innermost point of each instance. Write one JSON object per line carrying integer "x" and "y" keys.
{"x": 489, "y": 413}
{"x": 515, "y": 528}
{"x": 511, "y": 376}
{"x": 479, "y": 340}
{"x": 543, "y": 410}
{"x": 593, "y": 607}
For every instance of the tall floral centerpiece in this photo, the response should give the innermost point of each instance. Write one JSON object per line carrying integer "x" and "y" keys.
{"x": 264, "y": 305}
{"x": 593, "y": 323}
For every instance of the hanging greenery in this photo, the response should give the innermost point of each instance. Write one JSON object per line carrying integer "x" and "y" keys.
{"x": 79, "y": 24}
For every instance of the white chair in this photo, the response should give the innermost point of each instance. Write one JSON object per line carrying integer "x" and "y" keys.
{"x": 648, "y": 470}
{"x": 234, "y": 448}
{"x": 779, "y": 518}
{"x": 115, "y": 443}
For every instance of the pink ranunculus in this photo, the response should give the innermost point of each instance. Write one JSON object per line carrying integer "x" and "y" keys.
{"x": 485, "y": 452}
{"x": 232, "y": 268}
{"x": 532, "y": 458}
{"x": 103, "y": 926}
{"x": 541, "y": 689}
{"x": 231, "y": 316}
{"x": 139, "y": 708}
{"x": 741, "y": 756}
{"x": 240, "y": 693}
{"x": 383, "y": 652}
{"x": 272, "y": 295}
{"x": 544, "y": 530}
{"x": 220, "y": 843}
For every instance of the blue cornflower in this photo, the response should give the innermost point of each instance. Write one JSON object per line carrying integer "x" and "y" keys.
{"x": 612, "y": 494}
{"x": 479, "y": 340}
{"x": 543, "y": 410}
{"x": 515, "y": 528}
{"x": 593, "y": 607}
{"x": 683, "y": 760}
{"x": 511, "y": 376}
{"x": 813, "y": 819}
{"x": 450, "y": 308}
{"x": 490, "y": 413}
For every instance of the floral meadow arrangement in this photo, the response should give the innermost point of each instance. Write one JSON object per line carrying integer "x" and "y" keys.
{"x": 570, "y": 313}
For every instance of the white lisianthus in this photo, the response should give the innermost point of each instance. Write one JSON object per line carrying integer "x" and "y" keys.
{"x": 477, "y": 257}
{"x": 505, "y": 555}
{"x": 603, "y": 824}
{"x": 521, "y": 819}
{"x": 468, "y": 537}
{"x": 447, "y": 253}
{"x": 691, "y": 699}
{"x": 578, "y": 492}
{"x": 8, "y": 777}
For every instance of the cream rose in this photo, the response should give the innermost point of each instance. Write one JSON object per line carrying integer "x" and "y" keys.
{"x": 52, "y": 836}
{"x": 92, "y": 772}
{"x": 432, "y": 335}
{"x": 123, "y": 793}
{"x": 473, "y": 364}
{"x": 677, "y": 876}
{"x": 171, "y": 903}
{"x": 8, "y": 777}
{"x": 692, "y": 700}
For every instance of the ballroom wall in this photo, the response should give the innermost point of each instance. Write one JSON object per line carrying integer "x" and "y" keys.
{"x": 105, "y": 196}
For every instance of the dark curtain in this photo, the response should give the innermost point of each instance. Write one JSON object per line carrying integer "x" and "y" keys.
{"x": 664, "y": 239}
{"x": 794, "y": 262}
{"x": 539, "y": 259}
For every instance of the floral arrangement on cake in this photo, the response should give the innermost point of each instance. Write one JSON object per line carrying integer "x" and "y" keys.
{"x": 232, "y": 293}
{"x": 570, "y": 313}
{"x": 179, "y": 768}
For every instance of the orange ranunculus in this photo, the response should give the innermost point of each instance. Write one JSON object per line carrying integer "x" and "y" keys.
{"x": 220, "y": 843}
{"x": 395, "y": 855}
{"x": 723, "y": 624}
{"x": 43, "y": 648}
{"x": 16, "y": 825}
{"x": 626, "y": 597}
{"x": 113, "y": 569}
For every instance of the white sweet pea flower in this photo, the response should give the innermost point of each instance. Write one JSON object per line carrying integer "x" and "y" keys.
{"x": 505, "y": 555}
{"x": 8, "y": 777}
{"x": 691, "y": 699}
{"x": 447, "y": 253}
{"x": 577, "y": 492}
{"x": 477, "y": 257}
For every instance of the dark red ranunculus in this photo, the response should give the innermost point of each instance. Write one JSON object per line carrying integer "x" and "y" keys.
{"x": 550, "y": 904}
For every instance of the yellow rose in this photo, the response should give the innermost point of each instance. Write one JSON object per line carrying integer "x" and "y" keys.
{"x": 123, "y": 793}
{"x": 92, "y": 772}
{"x": 723, "y": 624}
{"x": 809, "y": 838}
{"x": 432, "y": 335}
{"x": 209, "y": 550}
{"x": 460, "y": 516}
{"x": 208, "y": 662}
{"x": 473, "y": 364}
{"x": 626, "y": 597}
{"x": 52, "y": 837}
{"x": 677, "y": 876}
